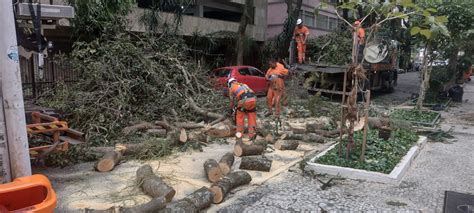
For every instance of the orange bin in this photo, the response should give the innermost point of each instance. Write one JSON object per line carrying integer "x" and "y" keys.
{"x": 28, "y": 194}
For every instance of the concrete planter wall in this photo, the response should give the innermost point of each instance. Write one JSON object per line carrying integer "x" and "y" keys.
{"x": 394, "y": 177}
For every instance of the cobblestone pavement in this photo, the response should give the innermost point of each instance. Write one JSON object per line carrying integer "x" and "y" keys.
{"x": 439, "y": 167}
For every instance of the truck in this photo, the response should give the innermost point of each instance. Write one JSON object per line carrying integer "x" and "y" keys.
{"x": 380, "y": 60}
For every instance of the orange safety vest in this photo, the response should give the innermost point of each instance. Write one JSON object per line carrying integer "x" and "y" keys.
{"x": 242, "y": 94}
{"x": 301, "y": 33}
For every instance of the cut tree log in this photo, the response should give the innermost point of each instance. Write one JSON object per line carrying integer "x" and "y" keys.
{"x": 229, "y": 182}
{"x": 198, "y": 136}
{"x": 131, "y": 149}
{"x": 157, "y": 132}
{"x": 108, "y": 162}
{"x": 163, "y": 124}
{"x": 189, "y": 125}
{"x": 270, "y": 139}
{"x": 297, "y": 130}
{"x": 328, "y": 133}
{"x": 203, "y": 112}
{"x": 176, "y": 136}
{"x": 153, "y": 205}
{"x": 257, "y": 163}
{"x": 309, "y": 137}
{"x": 312, "y": 127}
{"x": 286, "y": 144}
{"x": 226, "y": 163}
{"x": 194, "y": 202}
{"x": 242, "y": 149}
{"x": 212, "y": 170}
{"x": 153, "y": 185}
{"x": 221, "y": 130}
{"x": 140, "y": 126}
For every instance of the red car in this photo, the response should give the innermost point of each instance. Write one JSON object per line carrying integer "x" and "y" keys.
{"x": 251, "y": 76}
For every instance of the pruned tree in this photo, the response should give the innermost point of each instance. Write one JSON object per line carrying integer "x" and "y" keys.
{"x": 244, "y": 21}
{"x": 284, "y": 38}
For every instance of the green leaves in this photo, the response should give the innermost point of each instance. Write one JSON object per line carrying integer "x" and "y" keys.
{"x": 407, "y": 3}
{"x": 441, "y": 19}
{"x": 414, "y": 30}
{"x": 426, "y": 33}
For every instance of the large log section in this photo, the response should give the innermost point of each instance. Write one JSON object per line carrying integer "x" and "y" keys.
{"x": 229, "y": 182}
{"x": 153, "y": 185}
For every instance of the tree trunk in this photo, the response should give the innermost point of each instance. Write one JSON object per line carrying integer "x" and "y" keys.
{"x": 312, "y": 127}
{"x": 153, "y": 185}
{"x": 226, "y": 163}
{"x": 195, "y": 202}
{"x": 426, "y": 77}
{"x": 110, "y": 159}
{"x": 229, "y": 182}
{"x": 212, "y": 170}
{"x": 284, "y": 38}
{"x": 244, "y": 20}
{"x": 258, "y": 163}
{"x": 286, "y": 145}
{"x": 453, "y": 61}
{"x": 242, "y": 149}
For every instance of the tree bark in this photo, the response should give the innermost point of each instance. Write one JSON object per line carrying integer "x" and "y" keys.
{"x": 221, "y": 130}
{"x": 241, "y": 149}
{"x": 229, "y": 182}
{"x": 284, "y": 38}
{"x": 244, "y": 20}
{"x": 426, "y": 77}
{"x": 312, "y": 127}
{"x": 108, "y": 162}
{"x": 152, "y": 185}
{"x": 140, "y": 126}
{"x": 286, "y": 145}
{"x": 157, "y": 132}
{"x": 226, "y": 163}
{"x": 257, "y": 163}
{"x": 309, "y": 137}
{"x": 153, "y": 205}
{"x": 195, "y": 202}
{"x": 212, "y": 170}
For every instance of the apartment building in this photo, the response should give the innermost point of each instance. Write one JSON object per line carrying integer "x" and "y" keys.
{"x": 319, "y": 23}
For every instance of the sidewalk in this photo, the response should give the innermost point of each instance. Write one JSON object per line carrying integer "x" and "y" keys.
{"x": 439, "y": 167}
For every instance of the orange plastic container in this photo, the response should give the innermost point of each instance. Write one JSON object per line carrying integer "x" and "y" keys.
{"x": 28, "y": 194}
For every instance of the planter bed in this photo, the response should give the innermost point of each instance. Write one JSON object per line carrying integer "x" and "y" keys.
{"x": 422, "y": 118}
{"x": 386, "y": 161}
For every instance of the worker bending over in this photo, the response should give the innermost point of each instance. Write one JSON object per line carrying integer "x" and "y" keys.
{"x": 275, "y": 75}
{"x": 300, "y": 34}
{"x": 244, "y": 102}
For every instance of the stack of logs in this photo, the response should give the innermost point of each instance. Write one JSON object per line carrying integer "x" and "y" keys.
{"x": 178, "y": 133}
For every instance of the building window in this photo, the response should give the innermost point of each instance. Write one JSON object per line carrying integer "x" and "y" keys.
{"x": 333, "y": 23}
{"x": 322, "y": 22}
{"x": 309, "y": 19}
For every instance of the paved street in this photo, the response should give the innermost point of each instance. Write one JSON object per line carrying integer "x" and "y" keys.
{"x": 439, "y": 167}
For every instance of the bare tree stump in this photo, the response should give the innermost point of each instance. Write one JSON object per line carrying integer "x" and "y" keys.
{"x": 194, "y": 202}
{"x": 108, "y": 162}
{"x": 229, "y": 182}
{"x": 153, "y": 185}
{"x": 257, "y": 163}
{"x": 286, "y": 144}
{"x": 241, "y": 149}
{"x": 226, "y": 163}
{"x": 212, "y": 170}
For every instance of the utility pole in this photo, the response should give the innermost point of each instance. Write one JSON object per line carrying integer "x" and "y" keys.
{"x": 13, "y": 106}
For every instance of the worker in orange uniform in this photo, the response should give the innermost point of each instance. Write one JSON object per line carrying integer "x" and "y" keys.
{"x": 243, "y": 102}
{"x": 300, "y": 34}
{"x": 275, "y": 75}
{"x": 360, "y": 32}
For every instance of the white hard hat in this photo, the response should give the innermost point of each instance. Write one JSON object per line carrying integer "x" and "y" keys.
{"x": 230, "y": 80}
{"x": 299, "y": 21}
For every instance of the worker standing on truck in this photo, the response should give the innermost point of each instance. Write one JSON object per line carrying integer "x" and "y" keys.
{"x": 275, "y": 75}
{"x": 300, "y": 34}
{"x": 360, "y": 40}
{"x": 243, "y": 102}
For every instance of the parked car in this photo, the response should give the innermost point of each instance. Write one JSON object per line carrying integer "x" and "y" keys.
{"x": 251, "y": 76}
